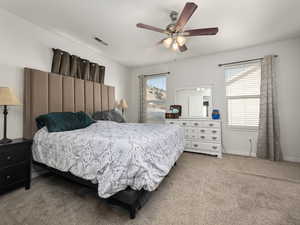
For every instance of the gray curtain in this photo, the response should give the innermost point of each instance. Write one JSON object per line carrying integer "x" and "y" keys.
{"x": 268, "y": 143}
{"x": 74, "y": 66}
{"x": 142, "y": 94}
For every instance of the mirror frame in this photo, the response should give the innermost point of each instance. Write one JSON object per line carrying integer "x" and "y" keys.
{"x": 210, "y": 108}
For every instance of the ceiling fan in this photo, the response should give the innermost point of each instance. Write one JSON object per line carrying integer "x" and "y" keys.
{"x": 175, "y": 30}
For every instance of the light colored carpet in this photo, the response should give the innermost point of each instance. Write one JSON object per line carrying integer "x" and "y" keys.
{"x": 199, "y": 190}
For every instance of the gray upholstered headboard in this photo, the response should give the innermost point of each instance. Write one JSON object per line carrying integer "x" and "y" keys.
{"x": 46, "y": 92}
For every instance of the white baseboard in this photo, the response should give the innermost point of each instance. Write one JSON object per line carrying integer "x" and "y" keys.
{"x": 291, "y": 158}
{"x": 285, "y": 158}
{"x": 238, "y": 152}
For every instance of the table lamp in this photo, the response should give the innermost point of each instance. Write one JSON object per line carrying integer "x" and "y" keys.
{"x": 123, "y": 105}
{"x": 7, "y": 98}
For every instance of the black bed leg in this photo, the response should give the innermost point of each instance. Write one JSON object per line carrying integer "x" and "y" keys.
{"x": 132, "y": 212}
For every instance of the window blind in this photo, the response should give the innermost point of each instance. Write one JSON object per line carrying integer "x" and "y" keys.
{"x": 243, "y": 94}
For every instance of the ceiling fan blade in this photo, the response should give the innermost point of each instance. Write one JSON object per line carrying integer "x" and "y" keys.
{"x": 200, "y": 32}
{"x": 185, "y": 15}
{"x": 148, "y": 27}
{"x": 182, "y": 48}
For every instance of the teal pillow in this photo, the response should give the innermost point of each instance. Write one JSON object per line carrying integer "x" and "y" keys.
{"x": 64, "y": 121}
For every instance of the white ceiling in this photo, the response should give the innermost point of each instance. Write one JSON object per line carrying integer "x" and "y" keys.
{"x": 241, "y": 23}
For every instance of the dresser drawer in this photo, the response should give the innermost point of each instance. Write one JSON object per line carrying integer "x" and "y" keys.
{"x": 184, "y": 123}
{"x": 214, "y": 131}
{"x": 211, "y": 124}
{"x": 207, "y": 131}
{"x": 206, "y": 146}
{"x": 188, "y": 144}
{"x": 14, "y": 174}
{"x": 196, "y": 123}
{"x": 13, "y": 154}
{"x": 206, "y": 138}
{"x": 171, "y": 122}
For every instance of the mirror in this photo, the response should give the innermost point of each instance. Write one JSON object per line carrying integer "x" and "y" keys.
{"x": 195, "y": 102}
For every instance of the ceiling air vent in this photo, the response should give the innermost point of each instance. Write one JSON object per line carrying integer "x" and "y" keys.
{"x": 100, "y": 41}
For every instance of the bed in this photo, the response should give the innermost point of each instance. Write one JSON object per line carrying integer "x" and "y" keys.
{"x": 125, "y": 163}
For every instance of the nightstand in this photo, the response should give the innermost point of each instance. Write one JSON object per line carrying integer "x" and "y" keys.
{"x": 15, "y": 165}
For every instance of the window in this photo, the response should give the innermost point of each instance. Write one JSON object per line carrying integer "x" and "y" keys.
{"x": 243, "y": 94}
{"x": 155, "y": 98}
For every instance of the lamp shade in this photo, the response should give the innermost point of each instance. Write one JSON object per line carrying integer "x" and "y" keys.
{"x": 123, "y": 104}
{"x": 7, "y": 97}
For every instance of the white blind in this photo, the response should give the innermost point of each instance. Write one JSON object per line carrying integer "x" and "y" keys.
{"x": 243, "y": 94}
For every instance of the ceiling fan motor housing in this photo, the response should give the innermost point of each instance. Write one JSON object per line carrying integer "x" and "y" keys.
{"x": 174, "y": 16}
{"x": 171, "y": 27}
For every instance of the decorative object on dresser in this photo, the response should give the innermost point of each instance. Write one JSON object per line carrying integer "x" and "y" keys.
{"x": 178, "y": 107}
{"x": 201, "y": 135}
{"x": 215, "y": 114}
{"x": 15, "y": 165}
{"x": 6, "y": 98}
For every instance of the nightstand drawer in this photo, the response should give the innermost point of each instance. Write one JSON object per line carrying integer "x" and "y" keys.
{"x": 12, "y": 155}
{"x": 14, "y": 174}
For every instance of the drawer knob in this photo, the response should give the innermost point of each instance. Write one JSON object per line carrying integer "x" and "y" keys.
{"x": 202, "y": 137}
{"x": 211, "y": 124}
{"x": 171, "y": 122}
{"x": 202, "y": 131}
{"x": 184, "y": 124}
{"x": 8, "y": 157}
{"x": 214, "y": 147}
{"x": 7, "y": 177}
{"x": 196, "y": 124}
{"x": 195, "y": 145}
{"x": 214, "y": 138}
{"x": 214, "y": 131}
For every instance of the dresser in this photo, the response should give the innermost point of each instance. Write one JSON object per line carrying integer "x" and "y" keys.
{"x": 15, "y": 165}
{"x": 201, "y": 135}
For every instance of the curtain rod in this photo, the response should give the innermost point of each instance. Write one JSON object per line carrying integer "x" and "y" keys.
{"x": 243, "y": 61}
{"x": 154, "y": 74}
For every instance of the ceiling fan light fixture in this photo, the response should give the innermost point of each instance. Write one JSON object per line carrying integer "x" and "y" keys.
{"x": 175, "y": 46}
{"x": 168, "y": 42}
{"x": 180, "y": 40}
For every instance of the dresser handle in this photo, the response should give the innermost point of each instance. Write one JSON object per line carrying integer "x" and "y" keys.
{"x": 196, "y": 124}
{"x": 195, "y": 145}
{"x": 214, "y": 147}
{"x": 183, "y": 124}
{"x": 8, "y": 158}
{"x": 7, "y": 177}
{"x": 214, "y": 131}
{"x": 211, "y": 124}
{"x": 171, "y": 122}
{"x": 202, "y": 131}
{"x": 202, "y": 137}
{"x": 214, "y": 138}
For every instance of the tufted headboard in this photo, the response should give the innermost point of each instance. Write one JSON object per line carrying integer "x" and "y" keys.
{"x": 46, "y": 92}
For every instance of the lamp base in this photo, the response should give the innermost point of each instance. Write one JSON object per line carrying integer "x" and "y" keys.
{"x": 5, "y": 141}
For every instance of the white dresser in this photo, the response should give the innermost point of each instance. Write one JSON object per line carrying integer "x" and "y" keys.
{"x": 201, "y": 135}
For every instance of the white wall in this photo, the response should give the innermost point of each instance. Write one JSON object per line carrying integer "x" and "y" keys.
{"x": 23, "y": 44}
{"x": 204, "y": 70}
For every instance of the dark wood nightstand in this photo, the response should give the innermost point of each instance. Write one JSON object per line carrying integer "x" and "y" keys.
{"x": 15, "y": 165}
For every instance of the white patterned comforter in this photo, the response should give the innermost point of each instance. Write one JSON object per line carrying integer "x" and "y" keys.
{"x": 114, "y": 155}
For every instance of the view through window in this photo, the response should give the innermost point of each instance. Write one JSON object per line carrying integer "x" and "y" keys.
{"x": 155, "y": 98}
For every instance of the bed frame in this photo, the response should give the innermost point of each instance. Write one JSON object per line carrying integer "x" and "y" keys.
{"x": 47, "y": 92}
{"x": 128, "y": 199}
